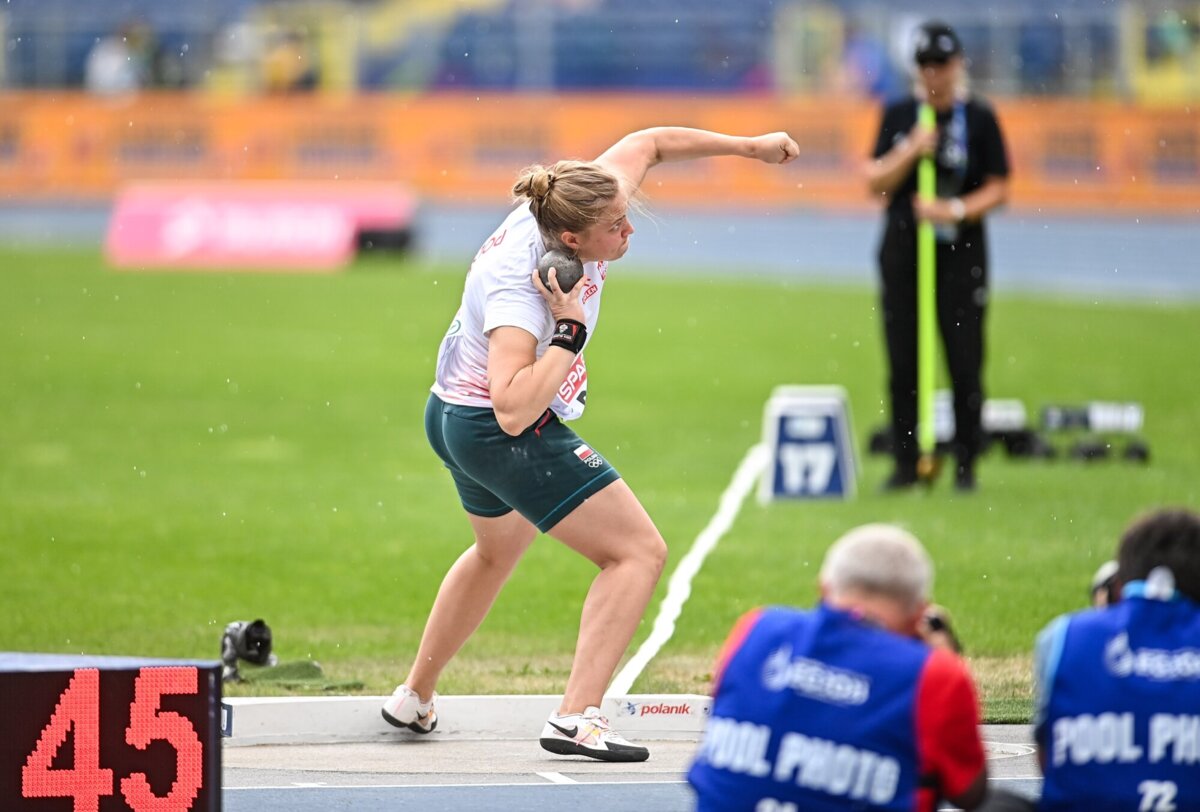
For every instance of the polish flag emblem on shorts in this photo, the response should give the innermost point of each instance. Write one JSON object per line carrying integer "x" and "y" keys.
{"x": 588, "y": 456}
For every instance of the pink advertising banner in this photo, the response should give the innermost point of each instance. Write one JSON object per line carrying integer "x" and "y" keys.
{"x": 259, "y": 225}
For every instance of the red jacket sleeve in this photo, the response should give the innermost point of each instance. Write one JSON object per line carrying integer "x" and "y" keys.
{"x": 948, "y": 743}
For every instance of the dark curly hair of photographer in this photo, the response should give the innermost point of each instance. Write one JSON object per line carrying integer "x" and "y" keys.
{"x": 1166, "y": 538}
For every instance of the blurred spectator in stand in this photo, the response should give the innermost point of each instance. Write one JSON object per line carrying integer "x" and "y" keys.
{"x": 1166, "y": 72}
{"x": 119, "y": 63}
{"x": 1169, "y": 38}
{"x": 1043, "y": 57}
{"x": 866, "y": 68}
{"x": 167, "y": 68}
{"x": 237, "y": 50}
{"x": 289, "y": 65}
{"x": 726, "y": 61}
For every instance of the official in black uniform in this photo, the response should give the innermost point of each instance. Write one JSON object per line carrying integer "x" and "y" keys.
{"x": 972, "y": 179}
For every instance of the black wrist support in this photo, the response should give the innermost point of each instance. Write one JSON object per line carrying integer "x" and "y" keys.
{"x": 569, "y": 334}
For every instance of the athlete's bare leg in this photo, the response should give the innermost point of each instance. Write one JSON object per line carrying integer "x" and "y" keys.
{"x": 613, "y": 530}
{"x": 467, "y": 593}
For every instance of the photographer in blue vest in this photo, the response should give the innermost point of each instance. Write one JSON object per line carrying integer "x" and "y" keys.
{"x": 1117, "y": 689}
{"x": 851, "y": 705}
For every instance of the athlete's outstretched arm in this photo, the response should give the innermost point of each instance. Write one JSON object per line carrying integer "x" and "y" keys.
{"x": 634, "y": 155}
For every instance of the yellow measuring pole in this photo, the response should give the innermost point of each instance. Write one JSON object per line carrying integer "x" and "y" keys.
{"x": 927, "y": 464}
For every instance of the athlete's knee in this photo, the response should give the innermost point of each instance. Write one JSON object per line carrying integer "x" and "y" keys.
{"x": 654, "y": 554}
{"x": 496, "y": 557}
{"x": 646, "y": 551}
{"x": 500, "y": 551}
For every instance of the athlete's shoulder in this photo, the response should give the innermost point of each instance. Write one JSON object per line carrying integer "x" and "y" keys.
{"x": 520, "y": 228}
{"x": 514, "y": 246}
{"x": 519, "y": 214}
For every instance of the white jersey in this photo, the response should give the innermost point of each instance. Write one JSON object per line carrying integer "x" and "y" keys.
{"x": 499, "y": 292}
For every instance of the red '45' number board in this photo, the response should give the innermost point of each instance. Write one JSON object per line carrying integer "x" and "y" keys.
{"x": 99, "y": 740}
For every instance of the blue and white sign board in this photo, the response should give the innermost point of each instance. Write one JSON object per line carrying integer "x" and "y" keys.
{"x": 807, "y": 431}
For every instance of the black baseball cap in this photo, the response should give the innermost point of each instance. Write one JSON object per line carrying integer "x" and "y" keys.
{"x": 936, "y": 42}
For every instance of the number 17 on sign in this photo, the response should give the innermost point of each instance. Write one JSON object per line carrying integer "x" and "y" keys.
{"x": 807, "y": 431}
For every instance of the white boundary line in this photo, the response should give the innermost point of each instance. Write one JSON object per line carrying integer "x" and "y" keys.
{"x": 476, "y": 785}
{"x": 529, "y": 784}
{"x": 680, "y": 586}
{"x": 556, "y": 778}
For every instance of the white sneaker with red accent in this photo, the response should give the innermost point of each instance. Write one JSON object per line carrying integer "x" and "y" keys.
{"x": 405, "y": 709}
{"x": 588, "y": 734}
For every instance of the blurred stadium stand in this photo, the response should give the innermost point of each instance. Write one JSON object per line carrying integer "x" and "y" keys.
{"x": 446, "y": 97}
{"x": 1147, "y": 50}
{"x": 48, "y": 41}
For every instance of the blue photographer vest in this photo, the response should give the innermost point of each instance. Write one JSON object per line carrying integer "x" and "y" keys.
{"x": 1119, "y": 725}
{"x": 815, "y": 711}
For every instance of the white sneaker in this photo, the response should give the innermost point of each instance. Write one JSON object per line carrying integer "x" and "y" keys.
{"x": 405, "y": 709}
{"x": 588, "y": 734}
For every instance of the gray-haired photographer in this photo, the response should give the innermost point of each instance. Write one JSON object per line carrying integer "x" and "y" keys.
{"x": 858, "y": 703}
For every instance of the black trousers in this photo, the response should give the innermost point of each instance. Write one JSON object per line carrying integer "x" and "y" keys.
{"x": 962, "y": 295}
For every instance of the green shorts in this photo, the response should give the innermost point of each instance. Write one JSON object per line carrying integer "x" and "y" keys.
{"x": 543, "y": 473}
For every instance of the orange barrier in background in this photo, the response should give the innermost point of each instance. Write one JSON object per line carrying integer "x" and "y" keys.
{"x": 1067, "y": 155}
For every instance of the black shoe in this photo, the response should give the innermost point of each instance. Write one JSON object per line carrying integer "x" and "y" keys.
{"x": 901, "y": 479}
{"x": 964, "y": 479}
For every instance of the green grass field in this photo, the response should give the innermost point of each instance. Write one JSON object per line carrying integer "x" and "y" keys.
{"x": 182, "y": 450}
